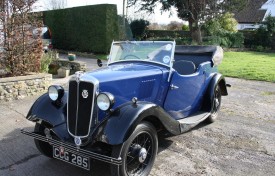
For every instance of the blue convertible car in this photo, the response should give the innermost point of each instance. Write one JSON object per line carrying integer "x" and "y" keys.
{"x": 114, "y": 114}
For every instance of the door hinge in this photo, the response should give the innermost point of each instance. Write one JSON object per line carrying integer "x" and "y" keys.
{"x": 172, "y": 87}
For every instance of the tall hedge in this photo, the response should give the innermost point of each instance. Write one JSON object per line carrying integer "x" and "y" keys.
{"x": 166, "y": 34}
{"x": 85, "y": 29}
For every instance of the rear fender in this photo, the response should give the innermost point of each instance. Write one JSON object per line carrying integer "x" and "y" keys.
{"x": 217, "y": 80}
{"x": 118, "y": 127}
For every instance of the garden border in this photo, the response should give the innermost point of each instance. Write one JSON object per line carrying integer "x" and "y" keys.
{"x": 14, "y": 88}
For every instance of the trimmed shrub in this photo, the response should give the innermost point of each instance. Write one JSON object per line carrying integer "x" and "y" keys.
{"x": 263, "y": 38}
{"x": 46, "y": 60}
{"x": 167, "y": 34}
{"x": 228, "y": 40}
{"x": 85, "y": 29}
{"x": 138, "y": 28}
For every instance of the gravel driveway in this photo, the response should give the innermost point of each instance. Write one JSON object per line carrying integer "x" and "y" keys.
{"x": 240, "y": 142}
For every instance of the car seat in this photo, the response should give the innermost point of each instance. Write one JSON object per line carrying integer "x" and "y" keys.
{"x": 184, "y": 67}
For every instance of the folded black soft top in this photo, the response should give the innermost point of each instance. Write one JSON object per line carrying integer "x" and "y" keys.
{"x": 216, "y": 52}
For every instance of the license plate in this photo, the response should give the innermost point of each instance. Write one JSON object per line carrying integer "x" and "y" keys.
{"x": 62, "y": 154}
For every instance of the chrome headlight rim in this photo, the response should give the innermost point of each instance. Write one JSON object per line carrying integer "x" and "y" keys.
{"x": 55, "y": 92}
{"x": 110, "y": 100}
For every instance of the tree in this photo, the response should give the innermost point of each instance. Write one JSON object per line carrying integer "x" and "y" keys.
{"x": 269, "y": 23}
{"x": 265, "y": 34}
{"x": 22, "y": 50}
{"x": 138, "y": 28}
{"x": 55, "y": 4}
{"x": 174, "y": 26}
{"x": 185, "y": 27}
{"x": 195, "y": 12}
{"x": 222, "y": 30}
{"x": 221, "y": 24}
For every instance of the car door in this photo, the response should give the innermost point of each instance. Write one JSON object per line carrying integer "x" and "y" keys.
{"x": 185, "y": 94}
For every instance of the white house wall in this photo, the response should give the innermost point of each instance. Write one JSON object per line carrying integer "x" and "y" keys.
{"x": 269, "y": 6}
{"x": 247, "y": 26}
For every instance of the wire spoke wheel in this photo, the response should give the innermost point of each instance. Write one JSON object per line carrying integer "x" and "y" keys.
{"x": 44, "y": 147}
{"x": 138, "y": 152}
{"x": 216, "y": 104}
{"x": 216, "y": 101}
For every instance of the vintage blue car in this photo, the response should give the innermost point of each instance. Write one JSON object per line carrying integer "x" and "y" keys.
{"x": 114, "y": 114}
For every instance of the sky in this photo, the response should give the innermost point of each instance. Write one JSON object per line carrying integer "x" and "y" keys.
{"x": 158, "y": 17}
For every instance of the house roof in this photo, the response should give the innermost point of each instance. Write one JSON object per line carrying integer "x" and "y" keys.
{"x": 252, "y": 12}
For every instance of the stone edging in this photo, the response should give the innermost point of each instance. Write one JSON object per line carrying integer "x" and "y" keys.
{"x": 13, "y": 88}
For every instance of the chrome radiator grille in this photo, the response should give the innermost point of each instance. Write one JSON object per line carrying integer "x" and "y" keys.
{"x": 80, "y": 108}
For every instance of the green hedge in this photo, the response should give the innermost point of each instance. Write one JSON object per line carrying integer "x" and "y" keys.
{"x": 166, "y": 34}
{"x": 85, "y": 29}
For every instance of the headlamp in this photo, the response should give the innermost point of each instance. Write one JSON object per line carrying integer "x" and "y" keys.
{"x": 105, "y": 101}
{"x": 55, "y": 92}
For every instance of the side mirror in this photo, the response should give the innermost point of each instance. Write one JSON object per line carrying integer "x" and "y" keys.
{"x": 99, "y": 63}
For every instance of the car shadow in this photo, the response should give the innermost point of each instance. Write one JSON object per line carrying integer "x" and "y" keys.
{"x": 200, "y": 125}
{"x": 165, "y": 142}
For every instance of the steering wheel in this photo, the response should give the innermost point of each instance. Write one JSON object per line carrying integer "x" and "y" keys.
{"x": 130, "y": 55}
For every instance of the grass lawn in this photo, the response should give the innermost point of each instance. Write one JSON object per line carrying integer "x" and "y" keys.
{"x": 102, "y": 56}
{"x": 249, "y": 65}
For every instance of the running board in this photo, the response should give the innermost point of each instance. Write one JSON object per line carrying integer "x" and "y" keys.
{"x": 191, "y": 121}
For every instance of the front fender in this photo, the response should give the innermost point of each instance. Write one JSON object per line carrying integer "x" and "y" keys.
{"x": 46, "y": 110}
{"x": 118, "y": 127}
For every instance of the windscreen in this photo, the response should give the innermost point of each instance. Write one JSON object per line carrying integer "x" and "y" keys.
{"x": 149, "y": 51}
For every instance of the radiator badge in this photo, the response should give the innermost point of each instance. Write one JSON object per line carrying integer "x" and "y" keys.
{"x": 85, "y": 94}
{"x": 77, "y": 141}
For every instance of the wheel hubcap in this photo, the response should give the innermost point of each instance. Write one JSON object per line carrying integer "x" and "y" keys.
{"x": 142, "y": 155}
{"x": 139, "y": 154}
{"x": 217, "y": 103}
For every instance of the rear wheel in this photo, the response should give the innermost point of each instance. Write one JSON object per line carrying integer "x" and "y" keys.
{"x": 44, "y": 147}
{"x": 216, "y": 105}
{"x": 138, "y": 152}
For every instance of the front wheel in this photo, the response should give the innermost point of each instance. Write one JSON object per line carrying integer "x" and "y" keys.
{"x": 138, "y": 153}
{"x": 44, "y": 147}
{"x": 216, "y": 105}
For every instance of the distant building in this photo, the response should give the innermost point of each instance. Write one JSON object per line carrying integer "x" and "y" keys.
{"x": 252, "y": 14}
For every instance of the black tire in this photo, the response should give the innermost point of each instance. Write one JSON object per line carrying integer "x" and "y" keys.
{"x": 44, "y": 147}
{"x": 134, "y": 160}
{"x": 216, "y": 105}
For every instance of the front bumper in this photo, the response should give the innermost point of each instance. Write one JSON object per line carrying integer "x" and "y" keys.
{"x": 72, "y": 148}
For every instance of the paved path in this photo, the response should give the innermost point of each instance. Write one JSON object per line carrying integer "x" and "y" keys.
{"x": 91, "y": 64}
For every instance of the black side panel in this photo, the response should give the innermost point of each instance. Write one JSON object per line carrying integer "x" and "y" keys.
{"x": 84, "y": 108}
{"x": 72, "y": 106}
